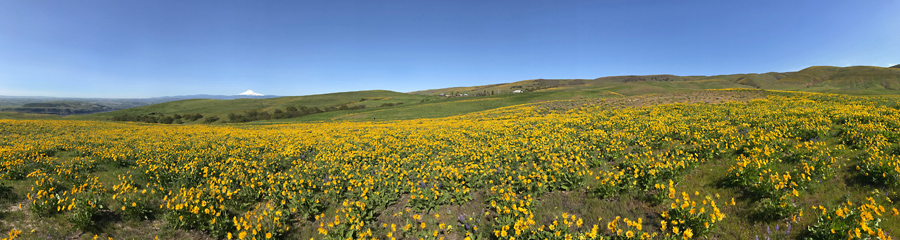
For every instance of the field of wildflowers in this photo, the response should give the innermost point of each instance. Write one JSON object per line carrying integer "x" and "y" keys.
{"x": 784, "y": 165}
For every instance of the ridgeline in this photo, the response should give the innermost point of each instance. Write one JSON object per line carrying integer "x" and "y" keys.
{"x": 389, "y": 105}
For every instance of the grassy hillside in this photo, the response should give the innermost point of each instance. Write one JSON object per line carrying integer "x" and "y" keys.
{"x": 504, "y": 88}
{"x": 220, "y": 108}
{"x": 452, "y": 106}
{"x": 445, "y": 107}
{"x": 628, "y": 85}
{"x": 852, "y": 80}
{"x": 386, "y": 105}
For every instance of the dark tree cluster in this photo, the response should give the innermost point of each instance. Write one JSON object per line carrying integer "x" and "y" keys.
{"x": 249, "y": 116}
{"x": 191, "y": 116}
{"x": 390, "y": 104}
{"x": 211, "y": 119}
{"x": 289, "y": 112}
{"x": 292, "y": 112}
{"x": 485, "y": 93}
{"x": 343, "y": 107}
{"x": 659, "y": 78}
{"x": 633, "y": 79}
{"x": 158, "y": 118}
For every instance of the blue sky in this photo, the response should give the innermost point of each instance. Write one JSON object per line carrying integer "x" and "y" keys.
{"x": 141, "y": 49}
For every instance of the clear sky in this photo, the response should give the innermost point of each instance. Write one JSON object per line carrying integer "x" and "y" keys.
{"x": 125, "y": 48}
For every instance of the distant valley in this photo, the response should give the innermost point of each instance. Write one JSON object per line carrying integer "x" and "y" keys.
{"x": 76, "y": 106}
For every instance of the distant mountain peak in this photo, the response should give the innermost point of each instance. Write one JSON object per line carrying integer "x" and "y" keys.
{"x": 896, "y": 66}
{"x": 250, "y": 93}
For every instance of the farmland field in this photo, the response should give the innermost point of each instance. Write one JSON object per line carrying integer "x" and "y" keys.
{"x": 715, "y": 164}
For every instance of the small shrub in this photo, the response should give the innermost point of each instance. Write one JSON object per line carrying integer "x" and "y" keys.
{"x": 780, "y": 208}
{"x": 6, "y": 193}
{"x": 136, "y": 207}
{"x": 699, "y": 218}
{"x": 211, "y": 119}
{"x": 848, "y": 221}
{"x": 879, "y": 170}
{"x": 83, "y": 210}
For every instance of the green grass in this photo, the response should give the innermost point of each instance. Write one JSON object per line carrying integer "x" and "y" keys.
{"x": 452, "y": 106}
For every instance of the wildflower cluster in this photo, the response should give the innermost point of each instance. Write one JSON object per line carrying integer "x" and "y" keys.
{"x": 687, "y": 218}
{"x": 851, "y": 221}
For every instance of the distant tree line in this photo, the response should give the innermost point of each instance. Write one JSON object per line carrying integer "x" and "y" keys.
{"x": 486, "y": 93}
{"x": 162, "y": 118}
{"x": 246, "y": 116}
{"x": 288, "y": 112}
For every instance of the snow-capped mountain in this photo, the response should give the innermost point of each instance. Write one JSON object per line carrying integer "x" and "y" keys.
{"x": 250, "y": 93}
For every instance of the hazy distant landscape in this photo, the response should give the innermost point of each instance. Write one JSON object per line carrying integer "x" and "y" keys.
{"x": 80, "y": 106}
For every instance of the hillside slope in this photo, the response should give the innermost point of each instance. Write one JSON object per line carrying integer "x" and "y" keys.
{"x": 627, "y": 85}
{"x": 220, "y": 108}
{"x": 854, "y": 80}
{"x": 388, "y": 105}
{"x": 851, "y": 80}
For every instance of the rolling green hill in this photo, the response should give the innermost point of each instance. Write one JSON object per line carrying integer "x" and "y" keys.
{"x": 388, "y": 105}
{"x": 221, "y": 108}
{"x": 627, "y": 85}
{"x": 849, "y": 80}
{"x": 852, "y": 80}
{"x": 450, "y": 106}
